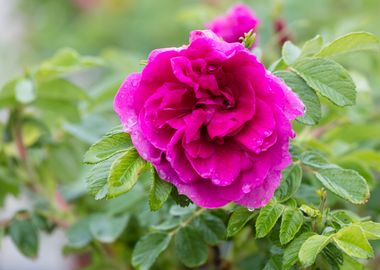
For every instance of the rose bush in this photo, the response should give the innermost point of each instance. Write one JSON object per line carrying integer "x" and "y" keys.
{"x": 239, "y": 19}
{"x": 212, "y": 120}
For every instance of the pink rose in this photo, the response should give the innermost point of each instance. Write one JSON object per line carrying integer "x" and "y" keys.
{"x": 239, "y": 19}
{"x": 212, "y": 120}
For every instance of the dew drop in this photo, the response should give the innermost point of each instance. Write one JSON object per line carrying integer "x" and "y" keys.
{"x": 135, "y": 83}
{"x": 266, "y": 133}
{"x": 131, "y": 121}
{"x": 246, "y": 189}
{"x": 251, "y": 209}
{"x": 216, "y": 181}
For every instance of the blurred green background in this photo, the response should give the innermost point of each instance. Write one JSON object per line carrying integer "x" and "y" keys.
{"x": 122, "y": 33}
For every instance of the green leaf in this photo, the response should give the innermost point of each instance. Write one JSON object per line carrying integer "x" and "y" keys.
{"x": 180, "y": 199}
{"x": 124, "y": 173}
{"x": 60, "y": 89}
{"x": 351, "y": 264}
{"x": 274, "y": 263}
{"x": 333, "y": 255}
{"x": 267, "y": 218}
{"x": 97, "y": 177}
{"x": 159, "y": 191}
{"x": 344, "y": 217}
{"x": 312, "y": 46}
{"x": 148, "y": 249}
{"x": 79, "y": 235}
{"x": 25, "y": 236}
{"x": 308, "y": 96}
{"x": 238, "y": 219}
{"x": 371, "y": 230}
{"x": 290, "y": 52}
{"x": 106, "y": 228}
{"x": 328, "y": 78}
{"x": 352, "y": 42}
{"x": 290, "y": 257}
{"x": 310, "y": 211}
{"x": 311, "y": 248}
{"x": 24, "y": 91}
{"x": 291, "y": 223}
{"x": 315, "y": 160}
{"x": 290, "y": 182}
{"x": 353, "y": 242}
{"x": 190, "y": 248}
{"x": 107, "y": 147}
{"x": 211, "y": 228}
{"x": 347, "y": 184}
{"x": 64, "y": 62}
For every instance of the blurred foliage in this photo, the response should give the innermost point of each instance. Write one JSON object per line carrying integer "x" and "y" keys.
{"x": 52, "y": 112}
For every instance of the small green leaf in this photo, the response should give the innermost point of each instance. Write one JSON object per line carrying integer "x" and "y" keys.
{"x": 106, "y": 228}
{"x": 291, "y": 223}
{"x": 211, "y": 228}
{"x": 124, "y": 173}
{"x": 312, "y": 46}
{"x": 79, "y": 234}
{"x": 159, "y": 191}
{"x": 96, "y": 178}
{"x": 180, "y": 199}
{"x": 190, "y": 248}
{"x": 148, "y": 249}
{"x": 353, "y": 242}
{"x": 328, "y": 78}
{"x": 25, "y": 236}
{"x": 290, "y": 182}
{"x": 290, "y": 52}
{"x": 347, "y": 184}
{"x": 371, "y": 230}
{"x": 310, "y": 211}
{"x": 107, "y": 147}
{"x": 290, "y": 257}
{"x": 352, "y": 42}
{"x": 238, "y": 219}
{"x": 267, "y": 218}
{"x": 308, "y": 96}
{"x": 311, "y": 248}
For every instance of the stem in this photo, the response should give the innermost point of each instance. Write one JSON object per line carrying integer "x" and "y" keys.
{"x": 187, "y": 221}
{"x": 217, "y": 258}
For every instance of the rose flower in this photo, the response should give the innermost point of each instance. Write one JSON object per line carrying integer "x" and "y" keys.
{"x": 239, "y": 19}
{"x": 212, "y": 121}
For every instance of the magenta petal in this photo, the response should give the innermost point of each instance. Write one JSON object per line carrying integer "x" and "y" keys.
{"x": 176, "y": 157}
{"x": 259, "y": 128}
{"x": 220, "y": 168}
{"x": 124, "y": 101}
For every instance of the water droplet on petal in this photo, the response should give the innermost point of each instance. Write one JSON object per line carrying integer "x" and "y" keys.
{"x": 246, "y": 188}
{"x": 216, "y": 181}
{"x": 135, "y": 83}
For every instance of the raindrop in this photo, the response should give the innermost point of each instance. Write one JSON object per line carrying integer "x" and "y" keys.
{"x": 246, "y": 188}
{"x": 135, "y": 83}
{"x": 216, "y": 181}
